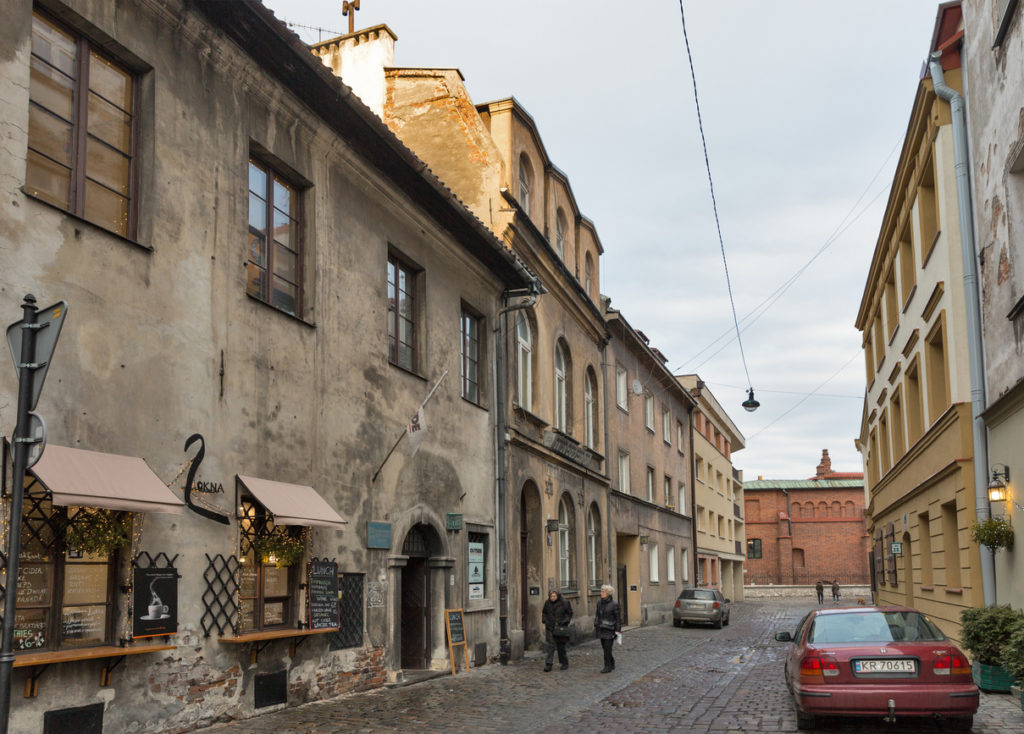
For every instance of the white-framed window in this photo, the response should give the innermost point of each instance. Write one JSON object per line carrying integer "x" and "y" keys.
{"x": 679, "y": 436}
{"x": 666, "y": 426}
{"x": 681, "y": 506}
{"x": 565, "y": 543}
{"x": 525, "y": 182}
{"x": 653, "y": 550}
{"x": 588, "y": 275}
{"x": 524, "y": 361}
{"x": 621, "y": 389}
{"x": 667, "y": 490}
{"x": 589, "y": 410}
{"x": 470, "y": 324}
{"x": 650, "y": 484}
{"x": 649, "y": 412}
{"x": 594, "y": 547}
{"x": 700, "y": 519}
{"x": 670, "y": 565}
{"x": 561, "y": 389}
{"x": 624, "y": 473}
{"x": 684, "y": 566}
{"x": 560, "y": 230}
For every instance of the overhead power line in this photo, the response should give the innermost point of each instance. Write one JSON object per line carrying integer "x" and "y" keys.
{"x": 751, "y": 404}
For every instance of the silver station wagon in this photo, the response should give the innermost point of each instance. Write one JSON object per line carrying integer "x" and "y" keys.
{"x": 706, "y": 606}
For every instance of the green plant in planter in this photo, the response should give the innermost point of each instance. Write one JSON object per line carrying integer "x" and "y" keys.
{"x": 280, "y": 546}
{"x": 96, "y": 531}
{"x": 1012, "y": 655}
{"x": 985, "y": 632}
{"x": 996, "y": 533}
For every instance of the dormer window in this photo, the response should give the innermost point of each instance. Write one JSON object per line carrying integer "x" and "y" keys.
{"x": 525, "y": 182}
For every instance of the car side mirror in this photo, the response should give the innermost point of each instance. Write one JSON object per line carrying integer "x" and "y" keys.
{"x": 783, "y": 637}
{"x": 728, "y": 601}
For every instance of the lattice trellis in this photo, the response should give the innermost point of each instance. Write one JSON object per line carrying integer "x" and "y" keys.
{"x": 351, "y": 607}
{"x": 220, "y": 600}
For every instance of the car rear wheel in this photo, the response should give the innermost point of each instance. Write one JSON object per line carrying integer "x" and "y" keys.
{"x": 963, "y": 725}
{"x": 726, "y": 622}
{"x": 804, "y": 722}
{"x": 718, "y": 623}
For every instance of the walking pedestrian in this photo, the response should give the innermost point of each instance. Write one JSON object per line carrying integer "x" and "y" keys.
{"x": 556, "y": 616}
{"x": 835, "y": 590}
{"x": 607, "y": 625}
{"x": 819, "y": 588}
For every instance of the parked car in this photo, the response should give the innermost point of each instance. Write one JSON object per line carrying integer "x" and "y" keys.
{"x": 706, "y": 606}
{"x": 885, "y": 662}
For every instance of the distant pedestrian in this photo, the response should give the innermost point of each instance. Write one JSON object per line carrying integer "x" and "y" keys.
{"x": 819, "y": 588}
{"x": 556, "y": 616}
{"x": 607, "y": 625}
{"x": 835, "y": 591}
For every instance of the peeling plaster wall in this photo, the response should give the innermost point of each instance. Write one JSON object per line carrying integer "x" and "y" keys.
{"x": 162, "y": 341}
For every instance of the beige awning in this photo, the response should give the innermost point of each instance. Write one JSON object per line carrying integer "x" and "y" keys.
{"x": 293, "y": 504}
{"x": 93, "y": 479}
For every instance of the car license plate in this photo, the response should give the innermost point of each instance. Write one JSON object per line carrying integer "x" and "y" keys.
{"x": 695, "y": 606}
{"x": 884, "y": 666}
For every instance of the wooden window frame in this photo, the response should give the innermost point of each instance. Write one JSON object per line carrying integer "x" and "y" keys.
{"x": 398, "y": 265}
{"x": 261, "y": 522}
{"x": 471, "y": 351}
{"x": 265, "y": 292}
{"x": 75, "y": 203}
{"x": 58, "y": 520}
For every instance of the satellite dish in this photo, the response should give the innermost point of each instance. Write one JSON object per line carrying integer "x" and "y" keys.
{"x": 638, "y": 388}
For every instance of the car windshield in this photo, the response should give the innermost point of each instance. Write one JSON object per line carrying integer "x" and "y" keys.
{"x": 874, "y": 626}
{"x": 698, "y": 594}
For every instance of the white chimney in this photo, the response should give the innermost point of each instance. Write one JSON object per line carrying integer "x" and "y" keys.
{"x": 360, "y": 59}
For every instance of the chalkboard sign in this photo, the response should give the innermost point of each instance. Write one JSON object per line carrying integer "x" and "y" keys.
{"x": 456, "y": 632}
{"x": 456, "y": 635}
{"x": 322, "y": 595}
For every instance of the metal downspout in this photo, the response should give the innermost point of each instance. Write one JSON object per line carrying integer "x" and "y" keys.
{"x": 974, "y": 333}
{"x": 501, "y": 480}
{"x": 612, "y": 567}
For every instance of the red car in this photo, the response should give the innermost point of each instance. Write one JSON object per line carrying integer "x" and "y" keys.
{"x": 886, "y": 662}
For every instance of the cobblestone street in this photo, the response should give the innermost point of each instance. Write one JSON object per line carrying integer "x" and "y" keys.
{"x": 666, "y": 679}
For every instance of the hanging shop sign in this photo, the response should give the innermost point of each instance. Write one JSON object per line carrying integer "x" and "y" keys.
{"x": 155, "y": 606}
{"x": 378, "y": 535}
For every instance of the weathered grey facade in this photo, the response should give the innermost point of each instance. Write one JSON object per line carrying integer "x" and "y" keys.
{"x": 183, "y": 320}
{"x": 650, "y": 430}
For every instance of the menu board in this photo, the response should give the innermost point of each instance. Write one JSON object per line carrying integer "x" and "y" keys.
{"x": 155, "y": 601}
{"x": 34, "y": 584}
{"x": 322, "y": 595}
{"x": 29, "y": 629}
{"x": 84, "y": 625}
{"x": 456, "y": 632}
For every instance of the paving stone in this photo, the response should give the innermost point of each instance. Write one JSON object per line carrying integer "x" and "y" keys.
{"x": 691, "y": 680}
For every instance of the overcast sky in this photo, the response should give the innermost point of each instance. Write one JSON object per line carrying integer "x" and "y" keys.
{"x": 804, "y": 106}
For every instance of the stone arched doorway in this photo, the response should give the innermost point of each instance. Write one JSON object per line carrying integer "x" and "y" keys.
{"x": 419, "y": 596}
{"x": 531, "y": 564}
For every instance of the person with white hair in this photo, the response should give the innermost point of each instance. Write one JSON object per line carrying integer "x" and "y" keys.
{"x": 607, "y": 624}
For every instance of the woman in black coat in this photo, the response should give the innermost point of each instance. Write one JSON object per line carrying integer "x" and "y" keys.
{"x": 557, "y": 613}
{"x": 607, "y": 625}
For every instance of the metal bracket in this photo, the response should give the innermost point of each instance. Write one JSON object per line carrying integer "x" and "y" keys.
{"x": 256, "y": 648}
{"x": 295, "y": 645}
{"x": 107, "y": 669}
{"x": 32, "y": 681}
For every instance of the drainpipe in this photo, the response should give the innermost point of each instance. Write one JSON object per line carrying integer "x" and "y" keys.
{"x": 974, "y": 333}
{"x": 789, "y": 517}
{"x": 612, "y": 567}
{"x": 501, "y": 457}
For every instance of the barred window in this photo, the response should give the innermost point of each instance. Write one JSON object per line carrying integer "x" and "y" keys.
{"x": 350, "y": 602}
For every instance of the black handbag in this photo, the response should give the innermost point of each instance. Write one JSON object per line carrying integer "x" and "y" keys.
{"x": 560, "y": 631}
{"x": 606, "y": 624}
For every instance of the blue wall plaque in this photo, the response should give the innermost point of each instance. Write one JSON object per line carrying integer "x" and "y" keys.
{"x": 378, "y": 535}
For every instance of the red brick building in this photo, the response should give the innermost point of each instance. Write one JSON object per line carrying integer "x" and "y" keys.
{"x": 803, "y": 530}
